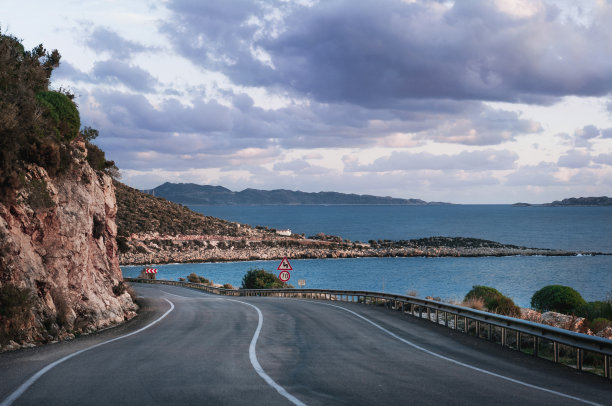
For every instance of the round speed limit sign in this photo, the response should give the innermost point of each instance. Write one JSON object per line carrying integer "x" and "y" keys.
{"x": 284, "y": 276}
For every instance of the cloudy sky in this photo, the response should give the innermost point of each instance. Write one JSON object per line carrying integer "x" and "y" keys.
{"x": 469, "y": 102}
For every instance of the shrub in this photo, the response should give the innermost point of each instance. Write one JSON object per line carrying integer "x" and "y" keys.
{"x": 594, "y": 310}
{"x": 557, "y": 298}
{"x": 483, "y": 292}
{"x": 600, "y": 324}
{"x": 504, "y": 305}
{"x": 474, "y": 303}
{"x": 119, "y": 289}
{"x": 194, "y": 278}
{"x": 62, "y": 111}
{"x": 260, "y": 279}
{"x": 15, "y": 311}
{"x": 227, "y": 286}
{"x": 122, "y": 244}
{"x": 492, "y": 299}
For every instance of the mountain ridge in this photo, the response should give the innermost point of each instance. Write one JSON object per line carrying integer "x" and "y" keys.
{"x": 573, "y": 201}
{"x": 191, "y": 193}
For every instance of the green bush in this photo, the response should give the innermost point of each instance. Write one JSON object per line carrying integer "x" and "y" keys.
{"x": 494, "y": 300}
{"x": 260, "y": 279}
{"x": 62, "y": 111}
{"x": 595, "y": 310}
{"x": 557, "y": 298}
{"x": 503, "y": 305}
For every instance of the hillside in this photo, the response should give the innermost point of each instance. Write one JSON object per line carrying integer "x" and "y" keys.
{"x": 59, "y": 270}
{"x": 190, "y": 193}
{"x": 583, "y": 201}
{"x": 573, "y": 201}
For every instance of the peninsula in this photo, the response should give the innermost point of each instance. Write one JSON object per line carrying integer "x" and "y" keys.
{"x": 152, "y": 230}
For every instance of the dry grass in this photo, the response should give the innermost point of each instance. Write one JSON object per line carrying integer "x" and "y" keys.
{"x": 474, "y": 303}
{"x": 413, "y": 293}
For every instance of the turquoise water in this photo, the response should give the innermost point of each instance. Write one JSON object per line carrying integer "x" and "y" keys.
{"x": 575, "y": 228}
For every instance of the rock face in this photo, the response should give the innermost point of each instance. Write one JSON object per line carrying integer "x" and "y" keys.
{"x": 58, "y": 242}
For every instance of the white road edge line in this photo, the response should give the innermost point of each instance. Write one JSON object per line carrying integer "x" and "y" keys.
{"x": 484, "y": 371}
{"x": 24, "y": 386}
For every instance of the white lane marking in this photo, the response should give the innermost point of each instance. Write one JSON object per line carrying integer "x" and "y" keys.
{"x": 253, "y": 357}
{"x": 253, "y": 354}
{"x": 190, "y": 297}
{"x": 15, "y": 395}
{"x": 484, "y": 371}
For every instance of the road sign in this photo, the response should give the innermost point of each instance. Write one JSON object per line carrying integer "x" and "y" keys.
{"x": 284, "y": 265}
{"x": 284, "y": 276}
{"x": 150, "y": 270}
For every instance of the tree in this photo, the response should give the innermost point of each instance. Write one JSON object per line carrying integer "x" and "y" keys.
{"x": 557, "y": 298}
{"x": 260, "y": 279}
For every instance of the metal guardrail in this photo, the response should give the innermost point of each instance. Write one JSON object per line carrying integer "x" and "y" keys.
{"x": 581, "y": 351}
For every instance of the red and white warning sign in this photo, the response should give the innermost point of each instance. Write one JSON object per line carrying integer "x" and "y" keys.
{"x": 284, "y": 276}
{"x": 284, "y": 265}
{"x": 150, "y": 270}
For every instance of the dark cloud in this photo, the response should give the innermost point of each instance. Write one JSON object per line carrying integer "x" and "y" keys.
{"x": 133, "y": 77}
{"x": 469, "y": 161}
{"x": 101, "y": 39}
{"x": 575, "y": 159}
{"x": 377, "y": 53}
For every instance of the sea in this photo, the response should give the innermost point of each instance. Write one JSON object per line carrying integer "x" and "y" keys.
{"x": 585, "y": 229}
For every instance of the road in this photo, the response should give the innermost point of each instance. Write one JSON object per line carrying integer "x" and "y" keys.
{"x": 189, "y": 347}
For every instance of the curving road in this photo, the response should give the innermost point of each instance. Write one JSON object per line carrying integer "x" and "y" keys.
{"x": 188, "y": 347}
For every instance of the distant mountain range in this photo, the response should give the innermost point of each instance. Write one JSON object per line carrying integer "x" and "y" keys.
{"x": 575, "y": 201}
{"x": 190, "y": 193}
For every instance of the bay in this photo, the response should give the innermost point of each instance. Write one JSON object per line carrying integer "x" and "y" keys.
{"x": 570, "y": 228}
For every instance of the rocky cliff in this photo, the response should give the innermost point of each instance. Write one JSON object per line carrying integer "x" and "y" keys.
{"x": 58, "y": 256}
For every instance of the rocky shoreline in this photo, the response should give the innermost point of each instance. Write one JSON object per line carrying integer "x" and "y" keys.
{"x": 152, "y": 248}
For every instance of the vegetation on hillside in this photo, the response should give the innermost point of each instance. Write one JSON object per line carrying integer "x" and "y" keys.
{"x": 493, "y": 300}
{"x": 37, "y": 125}
{"x": 139, "y": 212}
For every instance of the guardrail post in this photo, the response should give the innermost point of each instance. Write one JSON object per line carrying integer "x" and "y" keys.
{"x": 456, "y": 320}
{"x": 607, "y": 366}
{"x": 555, "y": 351}
{"x": 428, "y": 314}
{"x": 437, "y": 318}
{"x": 518, "y": 340}
{"x": 489, "y": 335}
{"x": 579, "y": 358}
{"x": 536, "y": 345}
{"x": 503, "y": 336}
{"x": 477, "y": 329}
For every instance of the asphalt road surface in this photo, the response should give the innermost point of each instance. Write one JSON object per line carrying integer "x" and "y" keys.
{"x": 188, "y": 347}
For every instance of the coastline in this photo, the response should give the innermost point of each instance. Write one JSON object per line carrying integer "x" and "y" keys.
{"x": 156, "y": 249}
